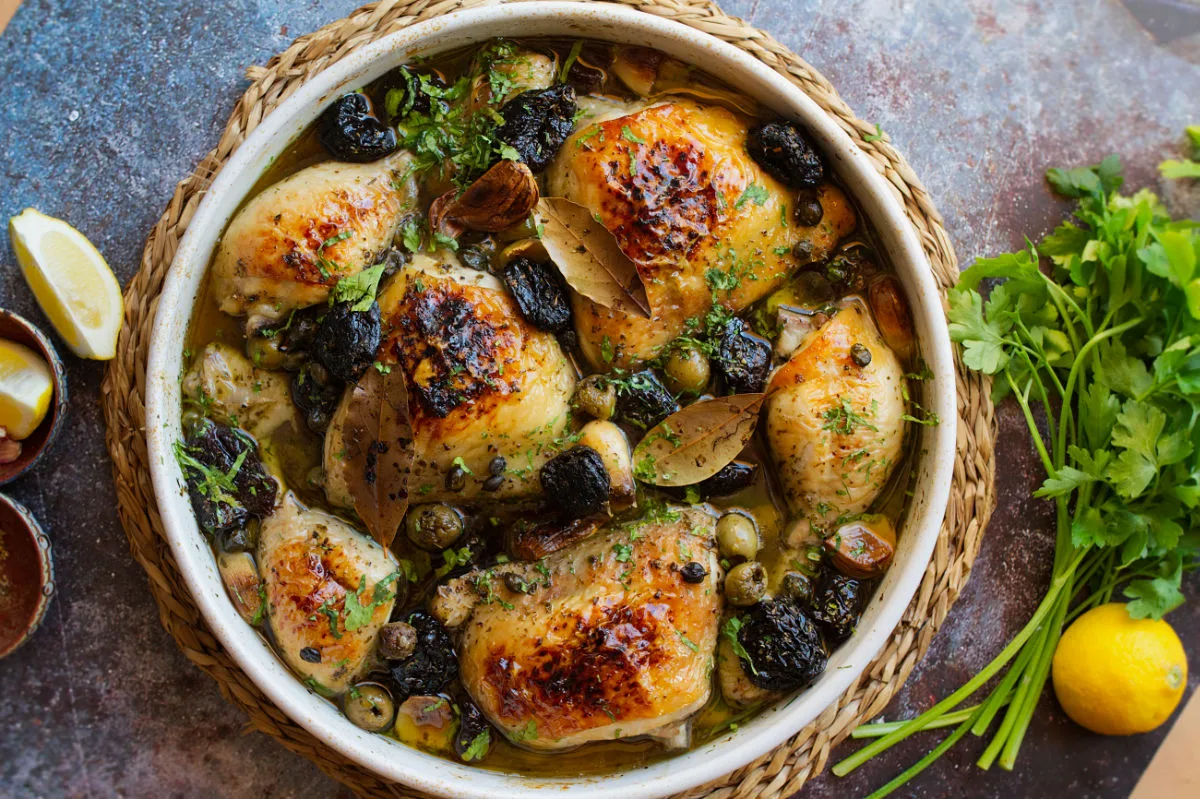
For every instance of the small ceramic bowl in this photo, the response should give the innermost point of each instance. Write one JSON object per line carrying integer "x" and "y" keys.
{"x": 26, "y": 575}
{"x": 21, "y": 330}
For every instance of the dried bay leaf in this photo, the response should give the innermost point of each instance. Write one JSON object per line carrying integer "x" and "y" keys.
{"x": 377, "y": 435}
{"x": 697, "y": 442}
{"x": 589, "y": 258}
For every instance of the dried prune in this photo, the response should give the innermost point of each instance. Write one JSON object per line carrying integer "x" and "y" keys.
{"x": 576, "y": 481}
{"x": 783, "y": 646}
{"x": 540, "y": 295}
{"x": 474, "y": 737}
{"x": 226, "y": 480}
{"x": 742, "y": 358}
{"x": 316, "y": 399}
{"x": 350, "y": 130}
{"x": 837, "y": 605}
{"x": 643, "y": 401}
{"x": 432, "y": 663}
{"x": 347, "y": 340}
{"x": 537, "y": 122}
{"x": 786, "y": 154}
{"x": 732, "y": 478}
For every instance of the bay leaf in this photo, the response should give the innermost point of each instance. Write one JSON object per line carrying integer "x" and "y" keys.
{"x": 378, "y": 439}
{"x": 695, "y": 443}
{"x": 589, "y": 258}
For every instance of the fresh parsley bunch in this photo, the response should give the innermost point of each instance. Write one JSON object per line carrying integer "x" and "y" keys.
{"x": 1095, "y": 333}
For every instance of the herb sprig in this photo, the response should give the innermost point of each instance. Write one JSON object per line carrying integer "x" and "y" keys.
{"x": 1102, "y": 354}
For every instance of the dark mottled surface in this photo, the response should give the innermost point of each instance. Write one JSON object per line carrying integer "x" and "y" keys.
{"x": 103, "y": 107}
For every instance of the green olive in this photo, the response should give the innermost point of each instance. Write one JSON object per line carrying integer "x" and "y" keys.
{"x": 687, "y": 369}
{"x": 798, "y": 586}
{"x": 434, "y": 527}
{"x": 737, "y": 536}
{"x": 369, "y": 706}
{"x": 746, "y": 584}
{"x": 191, "y": 419}
{"x": 264, "y": 351}
{"x": 596, "y": 397}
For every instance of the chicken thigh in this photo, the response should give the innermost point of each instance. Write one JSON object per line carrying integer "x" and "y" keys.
{"x": 603, "y": 639}
{"x": 483, "y": 384}
{"x": 697, "y": 216}
{"x": 835, "y": 427}
{"x": 291, "y": 244}
{"x": 235, "y": 392}
{"x": 328, "y": 591}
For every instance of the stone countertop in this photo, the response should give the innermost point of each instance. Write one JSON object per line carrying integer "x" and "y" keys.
{"x": 105, "y": 106}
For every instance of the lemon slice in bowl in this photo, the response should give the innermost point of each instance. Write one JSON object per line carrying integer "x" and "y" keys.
{"x": 72, "y": 282}
{"x": 26, "y": 388}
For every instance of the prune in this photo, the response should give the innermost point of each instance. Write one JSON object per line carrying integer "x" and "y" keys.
{"x": 537, "y": 122}
{"x": 474, "y": 738}
{"x": 643, "y": 401}
{"x": 786, "y": 154}
{"x": 732, "y": 478}
{"x": 539, "y": 293}
{"x": 226, "y": 480}
{"x": 316, "y": 399}
{"x": 783, "y": 645}
{"x": 837, "y": 606}
{"x": 742, "y": 358}
{"x": 406, "y": 92}
{"x": 350, "y": 130}
{"x": 576, "y": 481}
{"x": 431, "y": 665}
{"x": 347, "y": 340}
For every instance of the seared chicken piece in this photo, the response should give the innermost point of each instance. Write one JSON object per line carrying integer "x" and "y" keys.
{"x": 676, "y": 187}
{"x": 238, "y": 394}
{"x": 482, "y": 384}
{"x": 835, "y": 428}
{"x": 289, "y": 245}
{"x": 601, "y": 640}
{"x": 328, "y": 591}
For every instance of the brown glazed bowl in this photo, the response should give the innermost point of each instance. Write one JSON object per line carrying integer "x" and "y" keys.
{"x": 22, "y": 331}
{"x": 26, "y": 575}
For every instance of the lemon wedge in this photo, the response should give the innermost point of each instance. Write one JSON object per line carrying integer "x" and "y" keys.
{"x": 73, "y": 284}
{"x": 25, "y": 389}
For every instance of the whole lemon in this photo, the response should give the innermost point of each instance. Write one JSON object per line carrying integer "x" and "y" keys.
{"x": 1116, "y": 675}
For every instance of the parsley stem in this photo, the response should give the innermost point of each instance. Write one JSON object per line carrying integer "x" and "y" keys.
{"x": 971, "y": 686}
{"x": 925, "y": 762}
{"x": 881, "y": 728}
{"x": 1023, "y": 401}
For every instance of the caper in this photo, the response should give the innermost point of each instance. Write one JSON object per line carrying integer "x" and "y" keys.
{"x": 493, "y": 483}
{"x": 596, "y": 397}
{"x": 693, "y": 572}
{"x": 808, "y": 211}
{"x": 746, "y": 584}
{"x": 803, "y": 252}
{"x": 860, "y": 354}
{"x": 369, "y": 706}
{"x": 687, "y": 369}
{"x": 518, "y": 584}
{"x": 737, "y": 536}
{"x": 434, "y": 526}
{"x": 798, "y": 586}
{"x": 497, "y": 465}
{"x": 476, "y": 257}
{"x": 397, "y": 640}
{"x": 456, "y": 478}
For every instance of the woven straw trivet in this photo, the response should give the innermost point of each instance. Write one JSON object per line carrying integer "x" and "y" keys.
{"x": 779, "y": 774}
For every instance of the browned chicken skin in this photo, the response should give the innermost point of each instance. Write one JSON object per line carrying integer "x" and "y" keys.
{"x": 609, "y": 642}
{"x": 676, "y": 187}
{"x": 292, "y": 243}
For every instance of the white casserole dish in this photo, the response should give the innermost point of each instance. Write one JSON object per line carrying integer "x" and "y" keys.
{"x": 856, "y": 171}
